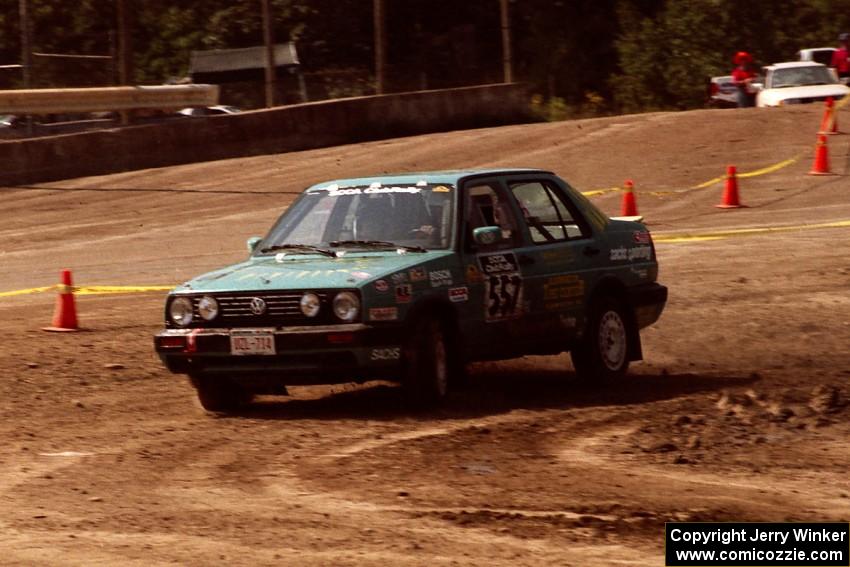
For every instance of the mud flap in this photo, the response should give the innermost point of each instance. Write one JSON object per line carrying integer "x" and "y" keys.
{"x": 635, "y": 351}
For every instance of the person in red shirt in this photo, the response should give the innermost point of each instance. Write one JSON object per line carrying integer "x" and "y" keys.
{"x": 841, "y": 58}
{"x": 743, "y": 76}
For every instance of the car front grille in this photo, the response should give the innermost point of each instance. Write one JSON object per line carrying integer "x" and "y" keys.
{"x": 281, "y": 308}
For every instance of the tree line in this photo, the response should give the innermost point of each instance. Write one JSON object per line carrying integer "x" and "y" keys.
{"x": 589, "y": 56}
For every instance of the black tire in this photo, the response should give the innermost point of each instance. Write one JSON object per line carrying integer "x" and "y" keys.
{"x": 603, "y": 354}
{"x": 218, "y": 394}
{"x": 428, "y": 362}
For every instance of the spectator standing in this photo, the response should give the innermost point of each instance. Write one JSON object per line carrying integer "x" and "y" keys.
{"x": 841, "y": 58}
{"x": 743, "y": 76}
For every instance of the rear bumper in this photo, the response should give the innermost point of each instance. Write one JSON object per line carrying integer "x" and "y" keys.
{"x": 303, "y": 355}
{"x": 648, "y": 302}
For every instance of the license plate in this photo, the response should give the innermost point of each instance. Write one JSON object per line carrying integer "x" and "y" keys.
{"x": 246, "y": 343}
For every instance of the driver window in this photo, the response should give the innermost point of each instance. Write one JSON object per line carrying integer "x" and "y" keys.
{"x": 485, "y": 208}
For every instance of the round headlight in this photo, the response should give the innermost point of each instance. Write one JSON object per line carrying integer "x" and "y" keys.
{"x": 208, "y": 308}
{"x": 180, "y": 311}
{"x": 346, "y": 306}
{"x": 310, "y": 304}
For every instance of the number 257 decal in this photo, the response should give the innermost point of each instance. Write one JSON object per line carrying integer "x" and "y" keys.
{"x": 503, "y": 293}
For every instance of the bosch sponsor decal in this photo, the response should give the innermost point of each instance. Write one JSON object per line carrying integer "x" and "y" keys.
{"x": 403, "y": 293}
{"x": 562, "y": 291}
{"x": 440, "y": 277}
{"x": 383, "y": 314}
{"x": 418, "y": 275}
{"x": 641, "y": 237}
{"x": 382, "y": 286}
{"x": 393, "y": 353}
{"x": 399, "y": 278}
{"x": 458, "y": 294}
{"x": 498, "y": 263}
{"x": 634, "y": 253}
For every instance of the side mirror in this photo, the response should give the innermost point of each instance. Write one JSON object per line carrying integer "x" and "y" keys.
{"x": 252, "y": 243}
{"x": 487, "y": 235}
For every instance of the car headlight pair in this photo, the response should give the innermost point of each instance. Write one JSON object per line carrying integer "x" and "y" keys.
{"x": 181, "y": 310}
{"x": 346, "y": 306}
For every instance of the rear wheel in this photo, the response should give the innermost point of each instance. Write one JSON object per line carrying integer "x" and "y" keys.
{"x": 219, "y": 394}
{"x": 603, "y": 354}
{"x": 428, "y": 363}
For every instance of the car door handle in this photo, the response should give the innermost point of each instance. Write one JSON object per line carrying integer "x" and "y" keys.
{"x": 525, "y": 260}
{"x": 591, "y": 251}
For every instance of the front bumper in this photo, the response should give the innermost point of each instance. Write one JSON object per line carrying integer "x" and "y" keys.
{"x": 303, "y": 355}
{"x": 648, "y": 302}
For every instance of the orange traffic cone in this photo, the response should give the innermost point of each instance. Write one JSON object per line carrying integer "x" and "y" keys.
{"x": 821, "y": 165}
{"x": 629, "y": 206}
{"x": 829, "y": 122}
{"x": 730, "y": 192}
{"x": 65, "y": 315}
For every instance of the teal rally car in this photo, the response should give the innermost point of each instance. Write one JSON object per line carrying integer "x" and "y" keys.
{"x": 410, "y": 277}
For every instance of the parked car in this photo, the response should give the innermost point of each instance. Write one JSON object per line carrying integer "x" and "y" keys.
{"x": 409, "y": 277}
{"x": 722, "y": 92}
{"x": 822, "y": 55}
{"x": 799, "y": 82}
{"x": 209, "y": 110}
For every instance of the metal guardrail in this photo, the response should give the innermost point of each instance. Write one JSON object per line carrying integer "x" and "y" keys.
{"x": 47, "y": 101}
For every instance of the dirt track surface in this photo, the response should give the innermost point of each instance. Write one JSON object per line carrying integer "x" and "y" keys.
{"x": 737, "y": 413}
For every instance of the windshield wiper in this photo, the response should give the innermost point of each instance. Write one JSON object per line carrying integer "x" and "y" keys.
{"x": 300, "y": 248}
{"x": 375, "y": 244}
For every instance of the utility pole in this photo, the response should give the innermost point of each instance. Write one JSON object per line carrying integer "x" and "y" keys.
{"x": 26, "y": 51}
{"x": 507, "y": 60}
{"x": 380, "y": 38}
{"x": 26, "y": 42}
{"x": 125, "y": 43}
{"x": 269, "y": 42}
{"x": 125, "y": 51}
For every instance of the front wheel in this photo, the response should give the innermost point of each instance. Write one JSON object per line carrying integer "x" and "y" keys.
{"x": 427, "y": 363}
{"x": 218, "y": 394}
{"x": 603, "y": 354}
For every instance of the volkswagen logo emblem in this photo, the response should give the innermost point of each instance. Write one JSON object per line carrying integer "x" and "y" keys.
{"x": 258, "y": 306}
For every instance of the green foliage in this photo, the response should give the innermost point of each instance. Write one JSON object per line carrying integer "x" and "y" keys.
{"x": 666, "y": 59}
{"x": 583, "y": 56}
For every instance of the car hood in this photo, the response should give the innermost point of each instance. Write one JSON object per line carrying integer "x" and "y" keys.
{"x": 773, "y": 96}
{"x": 307, "y": 272}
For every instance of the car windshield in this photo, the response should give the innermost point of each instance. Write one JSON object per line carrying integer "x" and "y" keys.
{"x": 402, "y": 215}
{"x": 801, "y": 76}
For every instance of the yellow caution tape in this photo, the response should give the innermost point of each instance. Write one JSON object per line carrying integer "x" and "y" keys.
{"x": 718, "y": 235}
{"x": 89, "y": 290}
{"x": 710, "y": 182}
{"x": 107, "y": 289}
{"x": 596, "y": 192}
{"x": 26, "y": 291}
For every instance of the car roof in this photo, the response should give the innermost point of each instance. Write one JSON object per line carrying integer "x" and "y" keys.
{"x": 792, "y": 64}
{"x": 448, "y": 177}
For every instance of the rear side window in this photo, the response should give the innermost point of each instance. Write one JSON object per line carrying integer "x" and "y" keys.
{"x": 547, "y": 215}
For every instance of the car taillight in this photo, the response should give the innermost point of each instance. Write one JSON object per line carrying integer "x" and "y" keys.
{"x": 714, "y": 89}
